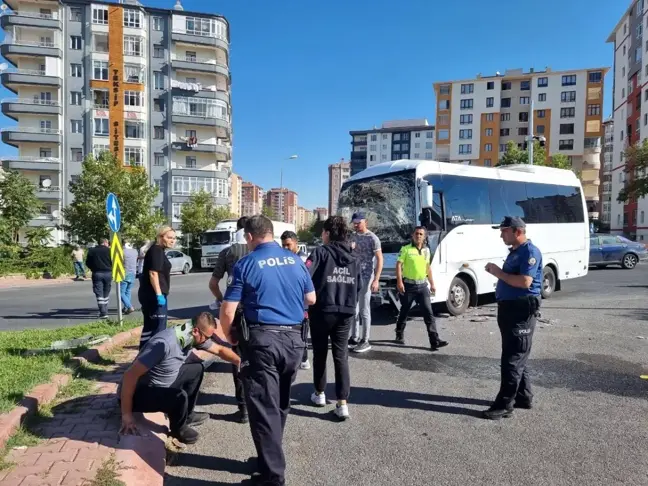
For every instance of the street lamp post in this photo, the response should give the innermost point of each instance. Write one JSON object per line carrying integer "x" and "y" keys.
{"x": 281, "y": 191}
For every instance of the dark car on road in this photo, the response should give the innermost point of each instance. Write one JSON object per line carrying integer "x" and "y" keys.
{"x": 615, "y": 250}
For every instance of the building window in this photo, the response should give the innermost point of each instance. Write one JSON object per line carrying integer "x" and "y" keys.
{"x": 593, "y": 110}
{"x": 488, "y": 147}
{"x": 418, "y": 134}
{"x": 133, "y": 98}
{"x": 542, "y": 96}
{"x": 75, "y": 98}
{"x": 466, "y": 104}
{"x": 417, "y": 145}
{"x": 637, "y": 56}
{"x": 444, "y": 89}
{"x": 523, "y": 116}
{"x": 428, "y": 156}
{"x": 157, "y": 23}
{"x": 76, "y": 14}
{"x": 525, "y": 85}
{"x": 205, "y": 27}
{"x": 100, "y": 70}
{"x": 190, "y": 162}
{"x": 595, "y": 77}
{"x": 202, "y": 107}
{"x": 158, "y": 160}
{"x": 488, "y": 132}
{"x": 443, "y": 134}
{"x": 373, "y": 137}
{"x": 505, "y": 103}
{"x": 132, "y": 18}
{"x": 490, "y": 102}
{"x": 540, "y": 129}
{"x": 384, "y": 136}
{"x": 567, "y": 112}
{"x": 158, "y": 133}
{"x": 76, "y": 126}
{"x": 417, "y": 155}
{"x": 523, "y": 131}
{"x": 490, "y": 85}
{"x": 134, "y": 130}
{"x": 100, "y": 15}
{"x": 133, "y": 73}
{"x": 158, "y": 51}
{"x": 543, "y": 82}
{"x": 465, "y": 148}
{"x": 100, "y": 42}
{"x": 372, "y": 147}
{"x": 158, "y": 80}
{"x": 567, "y": 144}
{"x": 467, "y": 88}
{"x": 75, "y": 42}
{"x": 133, "y": 156}
{"x": 505, "y": 117}
{"x": 568, "y": 96}
{"x": 429, "y": 134}
{"x": 468, "y": 119}
{"x": 184, "y": 186}
{"x": 505, "y": 132}
{"x": 383, "y": 157}
{"x": 569, "y": 80}
{"x": 463, "y": 135}
{"x": 158, "y": 105}
{"x": 100, "y": 98}
{"x": 98, "y": 149}
{"x": 502, "y": 147}
{"x": 444, "y": 105}
{"x": 101, "y": 127}
{"x": 405, "y": 147}
{"x": 506, "y": 85}
{"x": 76, "y": 70}
{"x": 76, "y": 154}
{"x": 566, "y": 128}
{"x": 488, "y": 163}
{"x": 641, "y": 216}
{"x": 524, "y": 100}
{"x": 490, "y": 117}
{"x": 132, "y": 45}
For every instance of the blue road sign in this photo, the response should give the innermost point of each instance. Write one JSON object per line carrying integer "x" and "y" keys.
{"x": 113, "y": 212}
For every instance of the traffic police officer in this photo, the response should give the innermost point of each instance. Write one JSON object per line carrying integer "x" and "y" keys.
{"x": 518, "y": 302}
{"x": 273, "y": 285}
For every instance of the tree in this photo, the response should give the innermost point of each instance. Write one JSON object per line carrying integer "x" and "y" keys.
{"x": 18, "y": 204}
{"x": 636, "y": 186}
{"x": 40, "y": 236}
{"x": 560, "y": 161}
{"x": 199, "y": 214}
{"x": 86, "y": 216}
{"x": 515, "y": 155}
{"x": 268, "y": 212}
{"x": 316, "y": 228}
{"x": 305, "y": 236}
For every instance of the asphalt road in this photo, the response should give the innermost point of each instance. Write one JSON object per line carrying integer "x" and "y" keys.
{"x": 414, "y": 414}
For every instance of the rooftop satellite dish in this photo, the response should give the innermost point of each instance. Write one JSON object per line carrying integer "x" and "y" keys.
{"x": 56, "y": 213}
{"x": 46, "y": 183}
{"x": 3, "y": 66}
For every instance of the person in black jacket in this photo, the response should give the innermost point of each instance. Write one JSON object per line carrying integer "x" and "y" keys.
{"x": 100, "y": 264}
{"x": 336, "y": 278}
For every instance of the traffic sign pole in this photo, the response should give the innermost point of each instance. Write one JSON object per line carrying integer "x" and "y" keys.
{"x": 113, "y": 213}
{"x": 119, "y": 301}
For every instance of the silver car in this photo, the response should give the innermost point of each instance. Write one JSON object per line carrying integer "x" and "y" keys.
{"x": 179, "y": 261}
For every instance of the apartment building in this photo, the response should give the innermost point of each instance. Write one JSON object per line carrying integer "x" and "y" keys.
{"x": 607, "y": 154}
{"x": 320, "y": 214}
{"x": 630, "y": 119}
{"x": 155, "y": 92}
{"x": 395, "y": 140}
{"x": 304, "y": 218}
{"x": 338, "y": 174}
{"x": 236, "y": 195}
{"x": 477, "y": 117}
{"x": 283, "y": 203}
{"x": 252, "y": 197}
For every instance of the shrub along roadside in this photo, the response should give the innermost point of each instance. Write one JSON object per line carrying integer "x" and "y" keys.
{"x": 36, "y": 261}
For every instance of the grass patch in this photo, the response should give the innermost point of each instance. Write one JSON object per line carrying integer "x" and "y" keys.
{"x": 108, "y": 473}
{"x": 19, "y": 373}
{"x": 21, "y": 438}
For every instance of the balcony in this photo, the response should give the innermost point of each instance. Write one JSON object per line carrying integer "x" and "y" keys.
{"x": 191, "y": 117}
{"x": 43, "y": 220}
{"x": 205, "y": 148}
{"x": 200, "y": 65}
{"x": 15, "y": 135}
{"x": 30, "y": 19}
{"x": 590, "y": 176}
{"x": 198, "y": 37}
{"x": 35, "y": 106}
{"x": 52, "y": 192}
{"x": 18, "y": 162}
{"x": 198, "y": 90}
{"x": 16, "y": 48}
{"x": 12, "y": 78}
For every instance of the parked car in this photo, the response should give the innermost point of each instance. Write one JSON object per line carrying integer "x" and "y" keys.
{"x": 179, "y": 261}
{"x": 615, "y": 250}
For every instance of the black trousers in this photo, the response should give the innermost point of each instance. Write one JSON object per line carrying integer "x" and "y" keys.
{"x": 101, "y": 283}
{"x": 421, "y": 295}
{"x": 177, "y": 401}
{"x": 336, "y": 326}
{"x": 307, "y": 324}
{"x": 155, "y": 319}
{"x": 270, "y": 360}
{"x": 516, "y": 320}
{"x": 238, "y": 383}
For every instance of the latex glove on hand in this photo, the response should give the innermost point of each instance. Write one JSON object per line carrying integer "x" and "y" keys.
{"x": 215, "y": 306}
{"x": 161, "y": 299}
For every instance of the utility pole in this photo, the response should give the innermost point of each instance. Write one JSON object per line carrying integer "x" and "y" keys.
{"x": 530, "y": 134}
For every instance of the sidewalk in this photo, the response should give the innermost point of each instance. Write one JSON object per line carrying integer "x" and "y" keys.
{"x": 19, "y": 281}
{"x": 82, "y": 437}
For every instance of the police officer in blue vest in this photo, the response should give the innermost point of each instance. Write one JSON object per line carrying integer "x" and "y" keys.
{"x": 273, "y": 285}
{"x": 518, "y": 303}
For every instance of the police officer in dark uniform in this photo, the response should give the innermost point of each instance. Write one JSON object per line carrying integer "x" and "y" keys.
{"x": 273, "y": 285}
{"x": 518, "y": 303}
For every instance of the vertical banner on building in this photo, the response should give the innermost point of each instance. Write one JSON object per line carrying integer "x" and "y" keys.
{"x": 116, "y": 78}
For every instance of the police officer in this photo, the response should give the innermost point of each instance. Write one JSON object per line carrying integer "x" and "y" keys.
{"x": 518, "y": 302}
{"x": 274, "y": 286}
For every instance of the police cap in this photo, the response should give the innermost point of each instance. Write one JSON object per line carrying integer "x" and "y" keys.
{"x": 357, "y": 217}
{"x": 513, "y": 222}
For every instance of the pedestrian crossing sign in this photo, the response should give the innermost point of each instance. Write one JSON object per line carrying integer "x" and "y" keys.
{"x": 117, "y": 257}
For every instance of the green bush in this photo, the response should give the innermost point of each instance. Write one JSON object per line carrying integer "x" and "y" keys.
{"x": 36, "y": 261}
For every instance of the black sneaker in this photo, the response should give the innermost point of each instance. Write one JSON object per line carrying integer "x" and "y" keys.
{"x": 525, "y": 404}
{"x": 497, "y": 413}
{"x": 186, "y": 435}
{"x": 242, "y": 416}
{"x": 353, "y": 342}
{"x": 197, "y": 418}
{"x": 438, "y": 344}
{"x": 399, "y": 339}
{"x": 363, "y": 347}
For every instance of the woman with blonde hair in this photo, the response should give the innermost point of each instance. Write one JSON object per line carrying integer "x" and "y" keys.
{"x": 155, "y": 283}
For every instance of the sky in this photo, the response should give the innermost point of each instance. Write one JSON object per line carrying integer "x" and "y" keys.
{"x": 304, "y": 73}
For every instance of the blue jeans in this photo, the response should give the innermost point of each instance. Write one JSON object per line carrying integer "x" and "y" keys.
{"x": 126, "y": 289}
{"x": 79, "y": 271}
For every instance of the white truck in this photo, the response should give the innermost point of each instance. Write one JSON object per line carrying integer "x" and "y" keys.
{"x": 214, "y": 241}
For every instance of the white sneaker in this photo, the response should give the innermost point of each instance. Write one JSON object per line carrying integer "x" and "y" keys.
{"x": 319, "y": 400}
{"x": 305, "y": 365}
{"x": 342, "y": 412}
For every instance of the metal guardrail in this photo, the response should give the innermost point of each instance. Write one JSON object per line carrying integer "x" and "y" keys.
{"x": 25, "y": 158}
{"x": 34, "y": 15}
{"x": 21, "y": 42}
{"x": 199, "y": 60}
{"x": 52, "y": 131}
{"x": 31, "y": 101}
{"x": 200, "y": 33}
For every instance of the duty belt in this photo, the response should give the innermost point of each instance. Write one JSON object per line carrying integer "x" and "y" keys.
{"x": 414, "y": 282}
{"x": 277, "y": 327}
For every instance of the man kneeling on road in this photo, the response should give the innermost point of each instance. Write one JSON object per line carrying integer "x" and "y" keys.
{"x": 160, "y": 379}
